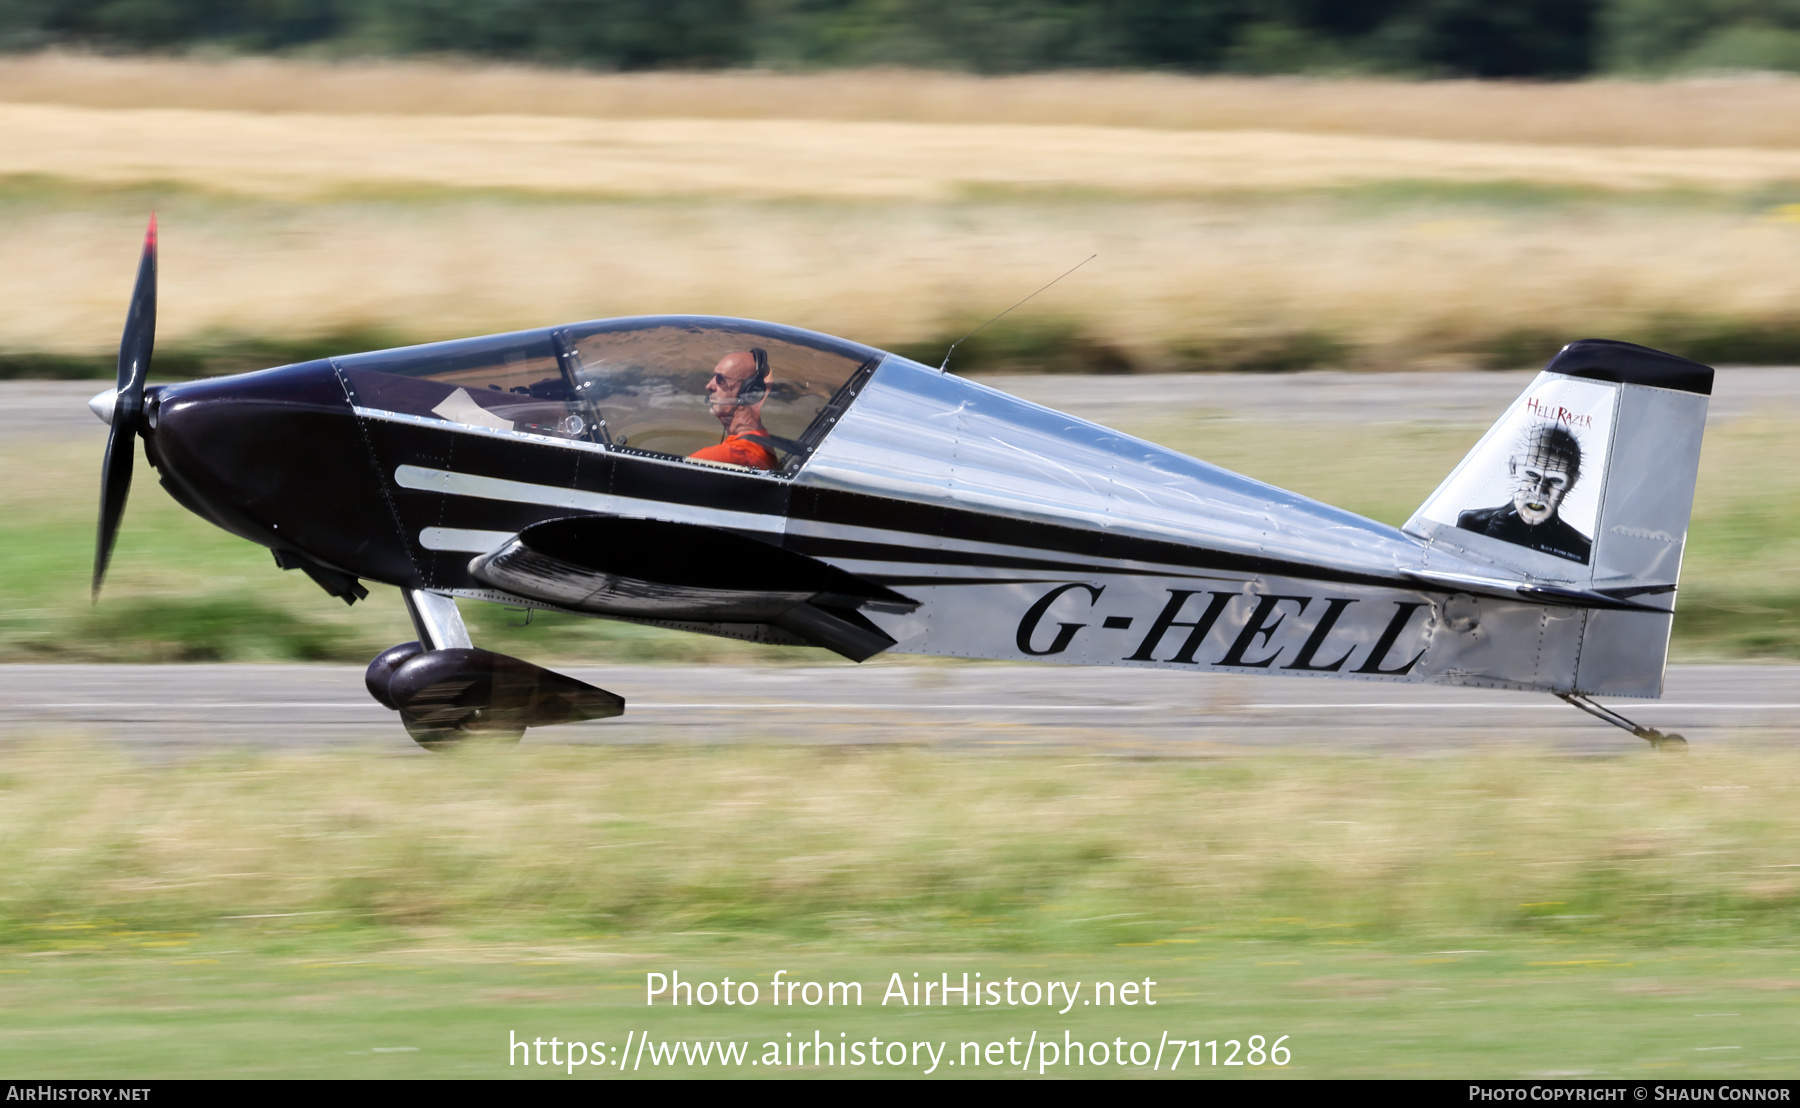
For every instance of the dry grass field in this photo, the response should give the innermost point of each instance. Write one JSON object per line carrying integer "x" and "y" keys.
{"x": 1759, "y": 111}
{"x": 1239, "y": 223}
{"x": 1174, "y": 285}
{"x": 307, "y": 154}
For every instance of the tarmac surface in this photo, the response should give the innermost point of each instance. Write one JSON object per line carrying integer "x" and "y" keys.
{"x": 164, "y": 711}
{"x": 181, "y": 711}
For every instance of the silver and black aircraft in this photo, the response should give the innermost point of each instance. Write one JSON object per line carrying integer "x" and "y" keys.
{"x": 747, "y": 479}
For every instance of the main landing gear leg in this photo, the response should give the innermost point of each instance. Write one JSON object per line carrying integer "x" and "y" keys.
{"x": 440, "y": 627}
{"x": 436, "y": 619}
{"x": 1657, "y": 739}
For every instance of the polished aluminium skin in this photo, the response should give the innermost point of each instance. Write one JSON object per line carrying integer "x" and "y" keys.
{"x": 921, "y": 513}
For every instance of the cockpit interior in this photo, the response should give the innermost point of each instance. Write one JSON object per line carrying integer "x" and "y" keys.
{"x": 637, "y": 385}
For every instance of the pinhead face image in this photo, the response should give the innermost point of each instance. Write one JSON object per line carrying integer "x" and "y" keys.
{"x": 1528, "y": 482}
{"x": 1544, "y": 472}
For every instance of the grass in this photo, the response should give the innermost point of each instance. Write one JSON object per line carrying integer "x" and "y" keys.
{"x": 1753, "y": 111}
{"x": 1239, "y": 224}
{"x": 899, "y": 850}
{"x": 1366, "y": 279}
{"x": 366, "y": 915}
{"x": 243, "y": 1006}
{"x": 305, "y": 154}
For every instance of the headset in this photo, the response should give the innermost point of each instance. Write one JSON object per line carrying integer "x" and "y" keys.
{"x": 756, "y": 387}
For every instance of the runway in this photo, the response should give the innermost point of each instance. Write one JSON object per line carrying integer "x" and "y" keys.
{"x": 180, "y": 711}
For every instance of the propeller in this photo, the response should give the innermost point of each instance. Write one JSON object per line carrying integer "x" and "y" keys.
{"x": 128, "y": 405}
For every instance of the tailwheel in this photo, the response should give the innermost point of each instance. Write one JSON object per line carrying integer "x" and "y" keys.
{"x": 1658, "y": 740}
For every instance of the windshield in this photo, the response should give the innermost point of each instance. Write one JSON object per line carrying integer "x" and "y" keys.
{"x": 505, "y": 382}
{"x": 719, "y": 392}
{"x": 712, "y": 391}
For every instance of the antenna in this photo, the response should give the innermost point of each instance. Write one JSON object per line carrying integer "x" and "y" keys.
{"x": 945, "y": 368}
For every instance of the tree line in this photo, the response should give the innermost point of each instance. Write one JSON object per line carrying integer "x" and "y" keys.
{"x": 1470, "y": 38}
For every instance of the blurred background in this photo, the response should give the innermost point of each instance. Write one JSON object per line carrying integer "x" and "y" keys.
{"x": 1271, "y": 185}
{"x": 1333, "y": 239}
{"x": 1429, "y": 38}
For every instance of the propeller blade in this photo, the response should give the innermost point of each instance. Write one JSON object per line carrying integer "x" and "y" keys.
{"x": 115, "y": 483}
{"x": 139, "y": 338}
{"x": 135, "y": 346}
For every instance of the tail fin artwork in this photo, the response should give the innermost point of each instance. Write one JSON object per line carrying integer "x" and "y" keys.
{"x": 1587, "y": 483}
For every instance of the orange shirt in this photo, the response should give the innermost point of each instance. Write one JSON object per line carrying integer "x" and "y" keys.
{"x": 738, "y": 450}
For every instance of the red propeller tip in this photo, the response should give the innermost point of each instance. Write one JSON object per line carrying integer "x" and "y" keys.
{"x": 150, "y": 235}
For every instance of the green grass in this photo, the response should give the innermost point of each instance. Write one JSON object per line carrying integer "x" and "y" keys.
{"x": 255, "y": 1006}
{"x": 26, "y": 194}
{"x": 358, "y": 914}
{"x": 900, "y": 850}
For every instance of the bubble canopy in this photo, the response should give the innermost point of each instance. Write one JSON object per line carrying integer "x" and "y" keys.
{"x": 709, "y": 390}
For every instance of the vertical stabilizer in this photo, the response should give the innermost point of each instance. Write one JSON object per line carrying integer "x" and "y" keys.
{"x": 1588, "y": 480}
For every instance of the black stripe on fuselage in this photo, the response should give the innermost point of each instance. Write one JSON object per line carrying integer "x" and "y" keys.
{"x": 1083, "y": 551}
{"x": 866, "y": 550}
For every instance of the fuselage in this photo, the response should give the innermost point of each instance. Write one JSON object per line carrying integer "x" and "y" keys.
{"x": 1022, "y": 532}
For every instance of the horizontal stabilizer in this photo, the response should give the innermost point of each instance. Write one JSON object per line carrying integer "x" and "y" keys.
{"x": 1560, "y": 596}
{"x": 667, "y": 571}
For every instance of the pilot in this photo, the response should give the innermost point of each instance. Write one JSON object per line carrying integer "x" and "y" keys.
{"x": 739, "y": 385}
{"x": 1545, "y": 469}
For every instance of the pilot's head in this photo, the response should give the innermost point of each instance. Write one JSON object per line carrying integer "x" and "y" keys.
{"x": 739, "y": 381}
{"x": 1544, "y": 470}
